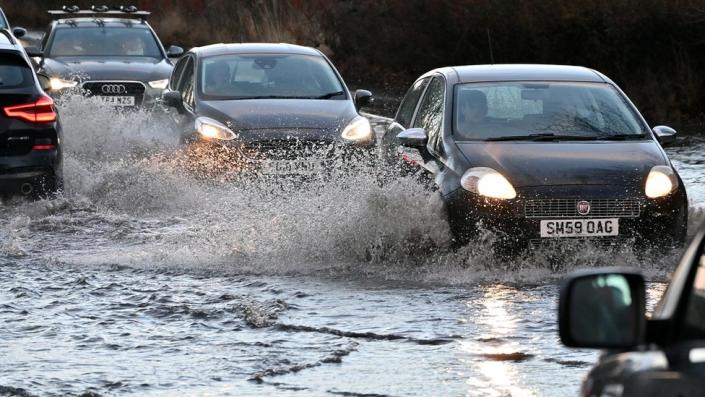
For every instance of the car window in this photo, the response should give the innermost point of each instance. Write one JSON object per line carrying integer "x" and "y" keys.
{"x": 493, "y": 110}
{"x": 178, "y": 71}
{"x": 104, "y": 41}
{"x": 430, "y": 114}
{"x": 3, "y": 22}
{"x": 15, "y": 73}
{"x": 186, "y": 82}
{"x": 246, "y": 76}
{"x": 408, "y": 104}
{"x": 694, "y": 321}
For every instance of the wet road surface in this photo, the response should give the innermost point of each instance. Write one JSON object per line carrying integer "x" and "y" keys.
{"x": 143, "y": 280}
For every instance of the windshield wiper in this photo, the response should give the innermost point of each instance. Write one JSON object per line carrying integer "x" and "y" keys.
{"x": 619, "y": 137}
{"x": 330, "y": 95}
{"x": 541, "y": 137}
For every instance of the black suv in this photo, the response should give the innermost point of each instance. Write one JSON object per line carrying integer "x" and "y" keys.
{"x": 663, "y": 355}
{"x": 112, "y": 54}
{"x": 30, "y": 132}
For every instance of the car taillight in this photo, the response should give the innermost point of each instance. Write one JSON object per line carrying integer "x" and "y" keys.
{"x": 40, "y": 111}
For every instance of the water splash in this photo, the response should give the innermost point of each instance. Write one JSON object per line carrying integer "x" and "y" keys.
{"x": 130, "y": 200}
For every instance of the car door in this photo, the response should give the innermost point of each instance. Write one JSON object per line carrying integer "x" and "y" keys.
{"x": 684, "y": 350}
{"x": 402, "y": 120}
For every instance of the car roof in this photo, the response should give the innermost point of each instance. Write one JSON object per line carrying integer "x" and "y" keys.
{"x": 254, "y": 48}
{"x": 100, "y": 22}
{"x": 523, "y": 72}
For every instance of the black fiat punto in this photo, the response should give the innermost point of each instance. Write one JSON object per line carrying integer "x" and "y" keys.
{"x": 539, "y": 153}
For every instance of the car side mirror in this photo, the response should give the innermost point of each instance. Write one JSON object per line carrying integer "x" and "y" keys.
{"x": 173, "y": 99}
{"x": 19, "y": 32}
{"x": 44, "y": 81}
{"x": 174, "y": 51}
{"x": 363, "y": 98}
{"x": 665, "y": 135}
{"x": 413, "y": 137}
{"x": 602, "y": 309}
{"x": 33, "y": 51}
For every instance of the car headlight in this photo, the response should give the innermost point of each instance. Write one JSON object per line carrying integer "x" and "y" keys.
{"x": 660, "y": 182}
{"x": 213, "y": 129}
{"x": 487, "y": 182}
{"x": 159, "y": 84}
{"x": 60, "y": 84}
{"x": 359, "y": 131}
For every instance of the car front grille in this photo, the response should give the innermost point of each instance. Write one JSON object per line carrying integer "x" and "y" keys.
{"x": 568, "y": 208}
{"x": 116, "y": 88}
{"x": 287, "y": 149}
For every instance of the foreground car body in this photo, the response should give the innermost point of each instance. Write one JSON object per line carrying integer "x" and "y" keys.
{"x": 273, "y": 109}
{"x": 113, "y": 55}
{"x": 539, "y": 154}
{"x": 658, "y": 356}
{"x": 30, "y": 132}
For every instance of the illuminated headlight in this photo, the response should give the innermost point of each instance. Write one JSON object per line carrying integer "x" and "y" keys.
{"x": 359, "y": 131}
{"x": 213, "y": 129}
{"x": 660, "y": 182}
{"x": 487, "y": 182}
{"x": 159, "y": 84}
{"x": 60, "y": 84}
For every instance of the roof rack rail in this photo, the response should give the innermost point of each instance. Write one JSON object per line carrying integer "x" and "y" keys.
{"x": 95, "y": 11}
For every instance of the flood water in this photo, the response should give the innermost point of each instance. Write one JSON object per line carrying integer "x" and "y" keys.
{"x": 146, "y": 280}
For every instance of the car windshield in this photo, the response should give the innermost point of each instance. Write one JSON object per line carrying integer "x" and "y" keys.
{"x": 104, "y": 41}
{"x": 15, "y": 73}
{"x": 522, "y": 110}
{"x": 268, "y": 76}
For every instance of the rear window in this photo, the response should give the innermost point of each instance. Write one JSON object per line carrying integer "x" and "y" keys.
{"x": 14, "y": 73}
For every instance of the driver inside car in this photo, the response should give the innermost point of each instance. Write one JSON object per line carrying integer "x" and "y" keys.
{"x": 218, "y": 78}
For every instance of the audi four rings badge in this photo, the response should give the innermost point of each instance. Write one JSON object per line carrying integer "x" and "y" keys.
{"x": 113, "y": 89}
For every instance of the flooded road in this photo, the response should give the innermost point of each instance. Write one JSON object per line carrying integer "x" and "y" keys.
{"x": 143, "y": 280}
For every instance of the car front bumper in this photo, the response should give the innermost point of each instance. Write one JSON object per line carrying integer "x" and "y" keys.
{"x": 256, "y": 159}
{"x": 518, "y": 221}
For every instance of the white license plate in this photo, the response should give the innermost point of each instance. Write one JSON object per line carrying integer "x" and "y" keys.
{"x": 118, "y": 100}
{"x": 284, "y": 167}
{"x": 580, "y": 227}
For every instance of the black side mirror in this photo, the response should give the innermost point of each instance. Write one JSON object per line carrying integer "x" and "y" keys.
{"x": 44, "y": 81}
{"x": 174, "y": 51}
{"x": 413, "y": 137}
{"x": 173, "y": 99}
{"x": 33, "y": 51}
{"x": 602, "y": 309}
{"x": 665, "y": 135}
{"x": 363, "y": 98}
{"x": 19, "y": 32}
